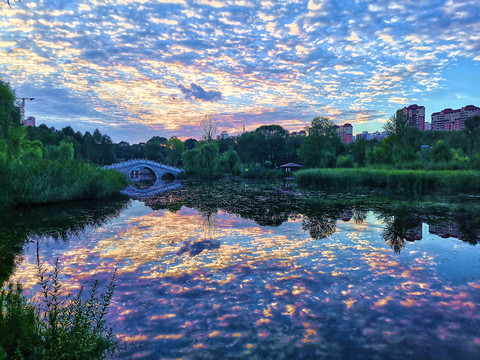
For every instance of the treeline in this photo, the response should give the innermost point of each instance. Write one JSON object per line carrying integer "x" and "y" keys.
{"x": 96, "y": 148}
{"x": 33, "y": 171}
{"x": 259, "y": 153}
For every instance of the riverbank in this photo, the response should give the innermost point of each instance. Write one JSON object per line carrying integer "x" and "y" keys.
{"x": 412, "y": 181}
{"x": 47, "y": 181}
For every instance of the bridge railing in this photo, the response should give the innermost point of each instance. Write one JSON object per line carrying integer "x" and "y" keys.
{"x": 142, "y": 161}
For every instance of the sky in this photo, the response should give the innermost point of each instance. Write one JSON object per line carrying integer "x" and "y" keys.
{"x": 135, "y": 69}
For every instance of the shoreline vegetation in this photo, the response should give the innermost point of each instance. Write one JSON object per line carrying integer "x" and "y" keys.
{"x": 49, "y": 181}
{"x": 61, "y": 326}
{"x": 38, "y": 171}
{"x": 410, "y": 181}
{"x": 41, "y": 165}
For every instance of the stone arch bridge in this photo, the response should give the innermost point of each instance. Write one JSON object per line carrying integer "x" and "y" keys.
{"x": 132, "y": 167}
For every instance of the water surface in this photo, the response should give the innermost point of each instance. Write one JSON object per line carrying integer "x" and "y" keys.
{"x": 262, "y": 273}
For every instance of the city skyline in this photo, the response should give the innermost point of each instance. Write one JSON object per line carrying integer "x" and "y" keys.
{"x": 137, "y": 69}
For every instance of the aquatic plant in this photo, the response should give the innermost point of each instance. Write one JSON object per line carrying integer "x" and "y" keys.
{"x": 413, "y": 181}
{"x": 49, "y": 181}
{"x": 60, "y": 327}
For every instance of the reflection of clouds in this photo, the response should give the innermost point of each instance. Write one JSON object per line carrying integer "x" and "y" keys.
{"x": 263, "y": 285}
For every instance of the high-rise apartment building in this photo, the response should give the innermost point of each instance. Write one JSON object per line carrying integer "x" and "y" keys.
{"x": 453, "y": 120}
{"x": 345, "y": 132}
{"x": 30, "y": 121}
{"x": 415, "y": 115}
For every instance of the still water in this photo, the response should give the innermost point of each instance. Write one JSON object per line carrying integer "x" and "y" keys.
{"x": 264, "y": 272}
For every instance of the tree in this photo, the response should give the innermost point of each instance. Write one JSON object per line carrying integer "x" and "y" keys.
{"x": 321, "y": 126}
{"x": 190, "y": 144}
{"x": 9, "y": 113}
{"x": 175, "y": 150}
{"x": 155, "y": 149}
{"x": 441, "y": 152}
{"x": 274, "y": 140}
{"x": 397, "y": 124}
{"x": 202, "y": 161}
{"x": 209, "y": 127}
{"x": 472, "y": 124}
{"x": 250, "y": 147}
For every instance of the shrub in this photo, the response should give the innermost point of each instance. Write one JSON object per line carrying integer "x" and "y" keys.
{"x": 62, "y": 327}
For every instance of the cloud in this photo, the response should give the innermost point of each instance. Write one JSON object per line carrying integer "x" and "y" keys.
{"x": 197, "y": 92}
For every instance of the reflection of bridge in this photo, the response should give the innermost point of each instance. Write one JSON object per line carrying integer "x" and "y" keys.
{"x": 132, "y": 167}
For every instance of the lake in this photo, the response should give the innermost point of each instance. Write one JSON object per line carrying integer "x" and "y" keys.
{"x": 267, "y": 271}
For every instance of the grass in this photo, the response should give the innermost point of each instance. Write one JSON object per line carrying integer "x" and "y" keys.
{"x": 61, "y": 327}
{"x": 411, "y": 181}
{"x": 46, "y": 181}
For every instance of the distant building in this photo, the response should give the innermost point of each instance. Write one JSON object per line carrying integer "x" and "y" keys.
{"x": 446, "y": 229}
{"x": 223, "y": 135}
{"x": 30, "y": 121}
{"x": 415, "y": 115}
{"x": 414, "y": 233}
{"x": 345, "y": 132}
{"x": 299, "y": 133}
{"x": 428, "y": 126}
{"x": 379, "y": 135}
{"x": 453, "y": 120}
{"x": 365, "y": 135}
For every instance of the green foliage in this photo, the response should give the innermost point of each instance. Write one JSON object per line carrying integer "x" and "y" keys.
{"x": 155, "y": 149}
{"x": 62, "y": 327}
{"x": 20, "y": 326}
{"x": 345, "y": 161}
{"x": 175, "y": 149}
{"x": 249, "y": 147}
{"x": 48, "y": 181}
{"x": 321, "y": 126}
{"x": 262, "y": 173}
{"x": 441, "y": 152}
{"x": 97, "y": 148}
{"x": 413, "y": 181}
{"x": 320, "y": 151}
{"x": 397, "y": 124}
{"x": 9, "y": 113}
{"x": 227, "y": 161}
{"x": 472, "y": 124}
{"x": 62, "y": 152}
{"x": 33, "y": 171}
{"x": 203, "y": 161}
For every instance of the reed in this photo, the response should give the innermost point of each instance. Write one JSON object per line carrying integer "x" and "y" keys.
{"x": 412, "y": 181}
{"x": 51, "y": 181}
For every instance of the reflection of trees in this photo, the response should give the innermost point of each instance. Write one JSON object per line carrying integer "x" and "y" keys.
{"x": 57, "y": 222}
{"x": 209, "y": 224}
{"x": 271, "y": 205}
{"x": 401, "y": 228}
{"x": 319, "y": 228}
{"x": 394, "y": 234}
{"x": 207, "y": 241}
{"x": 359, "y": 216}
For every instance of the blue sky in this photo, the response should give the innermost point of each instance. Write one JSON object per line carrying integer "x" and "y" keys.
{"x": 140, "y": 68}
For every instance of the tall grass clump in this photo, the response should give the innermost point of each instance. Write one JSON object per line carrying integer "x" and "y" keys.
{"x": 47, "y": 181}
{"x": 412, "y": 181}
{"x": 60, "y": 327}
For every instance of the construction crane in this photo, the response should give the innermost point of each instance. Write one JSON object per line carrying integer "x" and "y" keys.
{"x": 22, "y": 108}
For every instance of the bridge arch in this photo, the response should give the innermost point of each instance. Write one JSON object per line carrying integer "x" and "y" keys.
{"x": 158, "y": 169}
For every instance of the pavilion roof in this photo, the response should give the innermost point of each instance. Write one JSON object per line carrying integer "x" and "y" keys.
{"x": 290, "y": 165}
